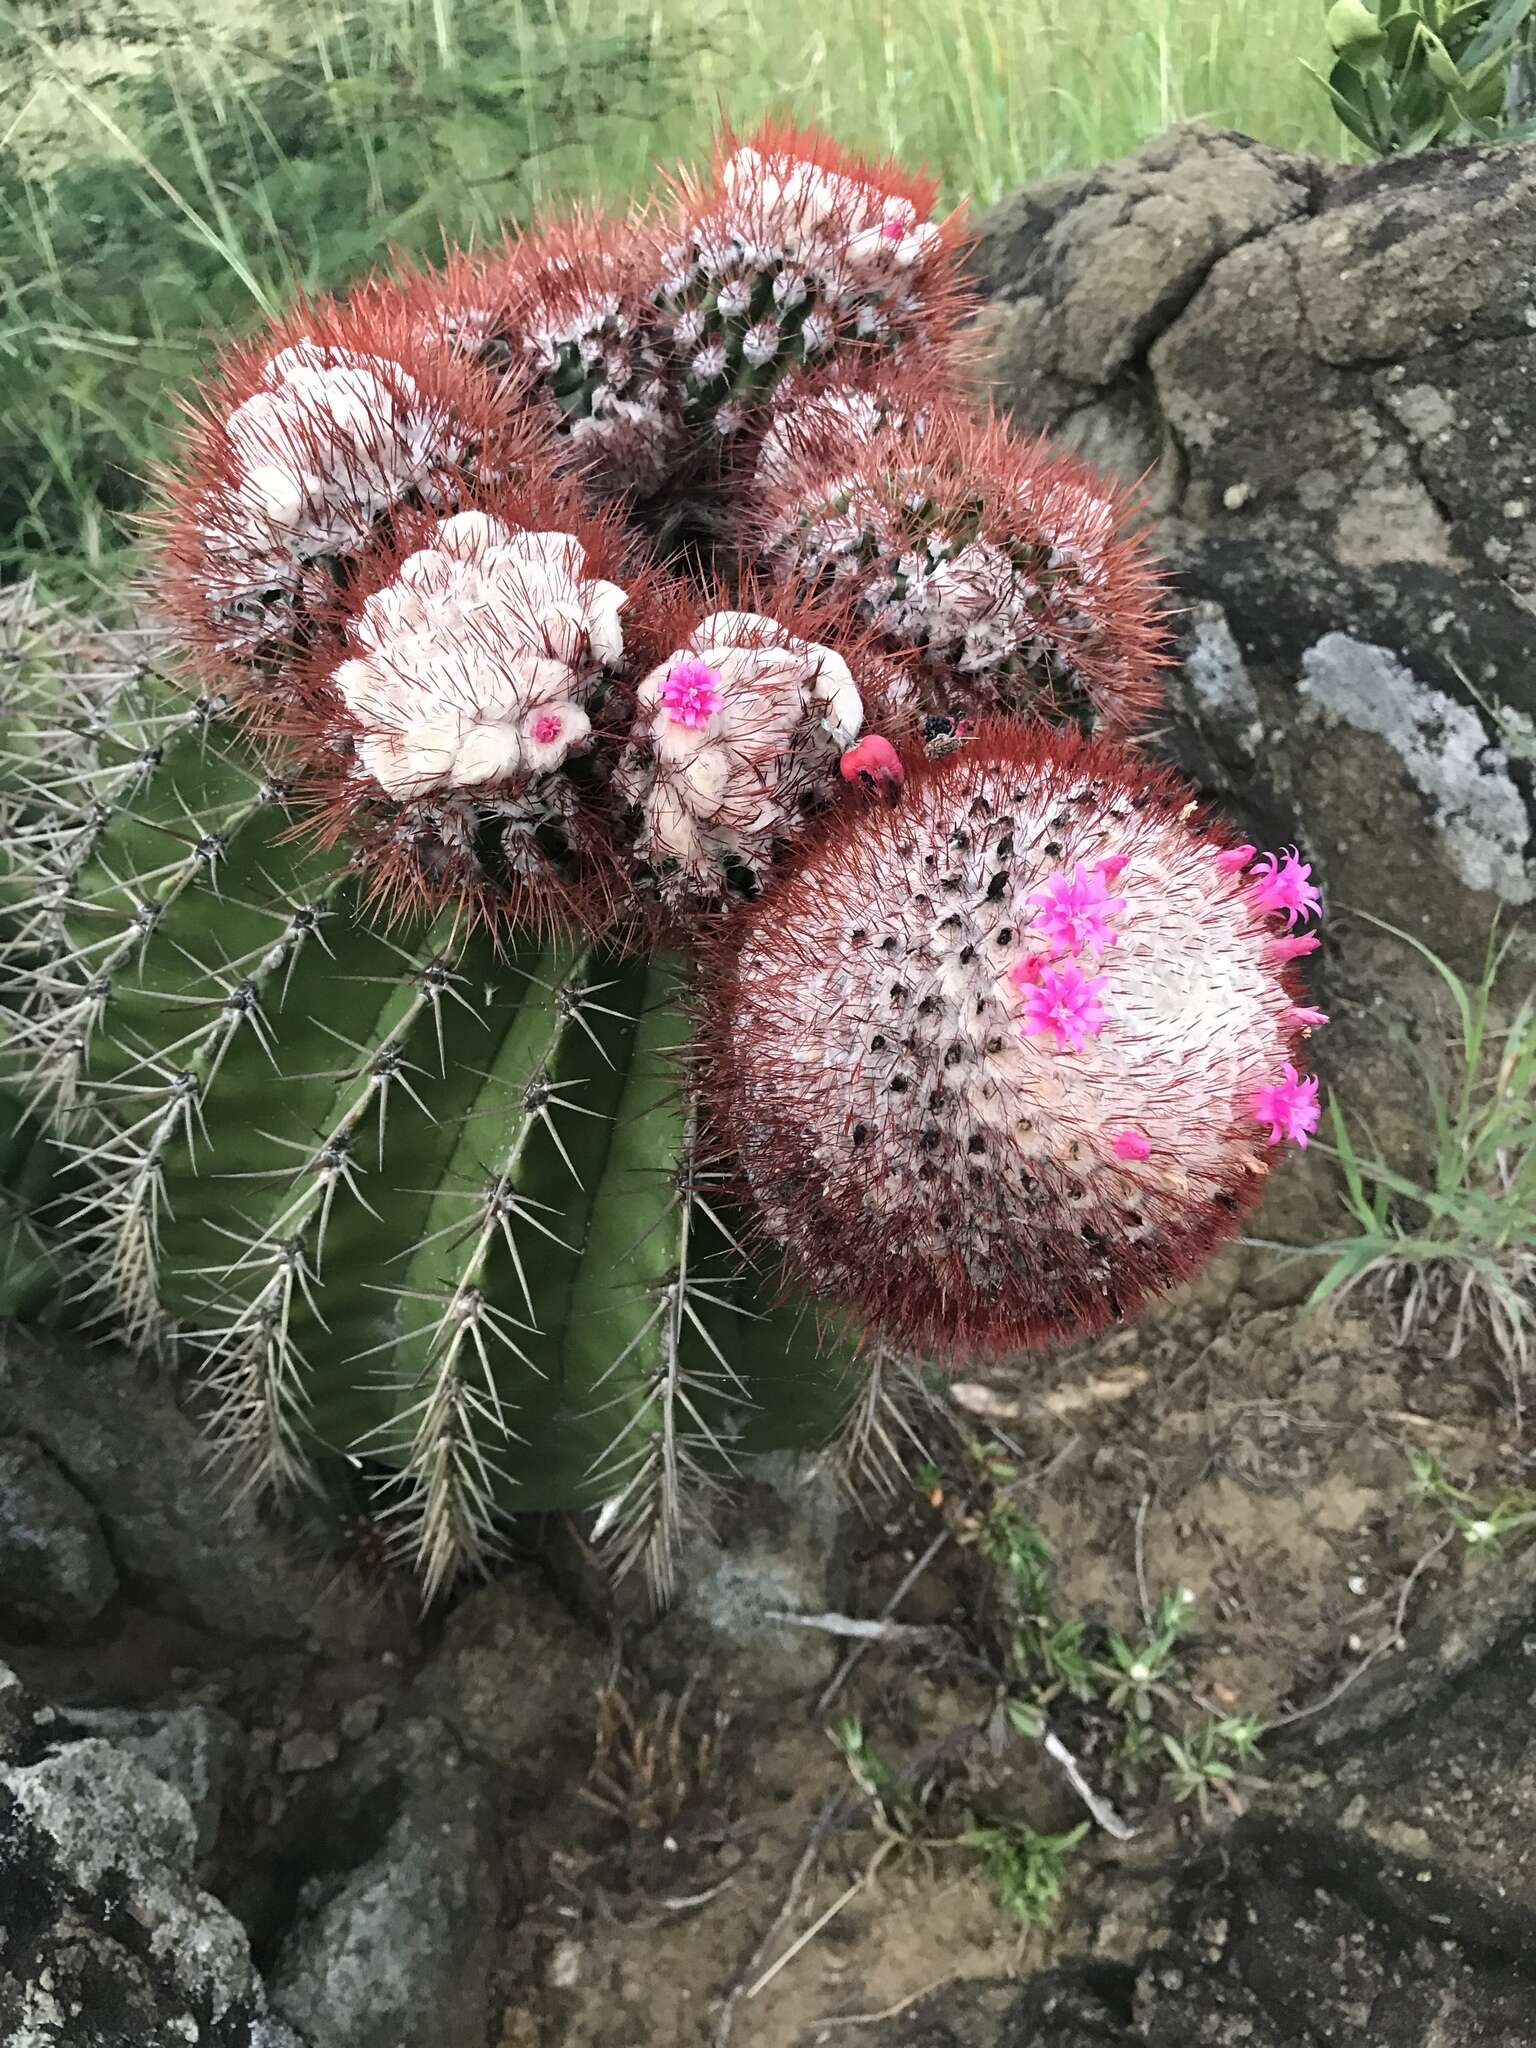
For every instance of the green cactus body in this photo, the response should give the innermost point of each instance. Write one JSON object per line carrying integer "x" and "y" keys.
{"x": 410, "y": 1194}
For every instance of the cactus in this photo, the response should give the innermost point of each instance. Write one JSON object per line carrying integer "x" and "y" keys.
{"x": 1008, "y": 567}
{"x": 1003, "y": 1061}
{"x": 540, "y": 1018}
{"x": 570, "y": 308}
{"x": 408, "y": 1194}
{"x": 792, "y": 255}
{"x": 662, "y": 341}
{"x": 299, "y": 450}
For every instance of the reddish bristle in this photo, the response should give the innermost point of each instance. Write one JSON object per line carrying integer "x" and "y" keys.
{"x": 918, "y": 1157}
{"x": 1052, "y": 607}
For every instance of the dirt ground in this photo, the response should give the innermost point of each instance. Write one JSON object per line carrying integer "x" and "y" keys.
{"x": 709, "y": 1874}
{"x": 1256, "y": 1456}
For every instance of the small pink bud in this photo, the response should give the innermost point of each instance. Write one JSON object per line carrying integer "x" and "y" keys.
{"x": 1290, "y": 1107}
{"x": 892, "y": 230}
{"x": 875, "y": 766}
{"x": 1233, "y": 859}
{"x": 1132, "y": 1145}
{"x": 1111, "y": 865}
{"x": 690, "y": 692}
{"x": 1292, "y": 948}
{"x": 546, "y": 728}
{"x": 1306, "y": 1020}
{"x": 1026, "y": 972}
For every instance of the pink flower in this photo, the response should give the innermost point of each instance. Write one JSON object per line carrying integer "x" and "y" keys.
{"x": 1063, "y": 1001}
{"x": 1075, "y": 910}
{"x": 1233, "y": 859}
{"x": 1306, "y": 1020}
{"x": 1283, "y": 883}
{"x": 690, "y": 692}
{"x": 1110, "y": 866}
{"x": 893, "y": 230}
{"x": 1289, "y": 1107}
{"x": 1292, "y": 948}
{"x": 1132, "y": 1145}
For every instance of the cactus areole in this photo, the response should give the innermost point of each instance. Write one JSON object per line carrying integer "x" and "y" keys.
{"x": 994, "y": 1057}
{"x": 541, "y": 1016}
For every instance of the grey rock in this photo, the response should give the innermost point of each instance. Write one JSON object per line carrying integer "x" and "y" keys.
{"x": 1335, "y": 370}
{"x": 106, "y": 1937}
{"x": 1089, "y": 267}
{"x": 56, "y": 1572}
{"x": 310, "y": 1750}
{"x": 361, "y": 1716}
{"x": 15, "y": 1710}
{"x": 515, "y": 1675}
{"x": 191, "y": 1749}
{"x": 397, "y": 1952}
{"x": 1473, "y": 805}
{"x": 777, "y": 1551}
{"x": 115, "y": 1428}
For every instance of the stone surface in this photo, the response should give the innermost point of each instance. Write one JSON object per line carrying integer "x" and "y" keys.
{"x": 1334, "y": 373}
{"x": 775, "y": 1551}
{"x": 515, "y": 1676}
{"x": 1089, "y": 268}
{"x": 397, "y": 1951}
{"x": 191, "y": 1749}
{"x": 114, "y": 1428}
{"x": 105, "y": 1937}
{"x": 56, "y": 1572}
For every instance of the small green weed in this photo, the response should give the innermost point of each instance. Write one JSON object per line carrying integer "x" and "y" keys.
{"x": 1482, "y": 1525}
{"x": 1023, "y": 1867}
{"x": 1463, "y": 1244}
{"x": 1133, "y": 1684}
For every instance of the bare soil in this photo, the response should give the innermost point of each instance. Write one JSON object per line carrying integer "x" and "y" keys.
{"x": 1263, "y": 1457}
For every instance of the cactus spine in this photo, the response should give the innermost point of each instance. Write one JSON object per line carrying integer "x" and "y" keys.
{"x": 411, "y": 1194}
{"x": 346, "y": 977}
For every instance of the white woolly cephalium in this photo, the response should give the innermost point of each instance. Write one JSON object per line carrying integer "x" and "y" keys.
{"x": 737, "y": 738}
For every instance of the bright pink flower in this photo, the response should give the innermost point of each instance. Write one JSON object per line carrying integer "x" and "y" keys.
{"x": 1132, "y": 1145}
{"x": 1289, "y": 1107}
{"x": 1283, "y": 883}
{"x": 1292, "y": 947}
{"x": 1233, "y": 859}
{"x": 1075, "y": 910}
{"x": 1064, "y": 1001}
{"x": 690, "y": 692}
{"x": 546, "y": 728}
{"x": 1306, "y": 1020}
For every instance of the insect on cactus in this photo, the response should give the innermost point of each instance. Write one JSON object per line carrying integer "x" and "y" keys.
{"x": 544, "y": 1021}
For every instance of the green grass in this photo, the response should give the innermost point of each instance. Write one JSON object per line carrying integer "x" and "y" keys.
{"x": 1459, "y": 1244}
{"x": 173, "y": 175}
